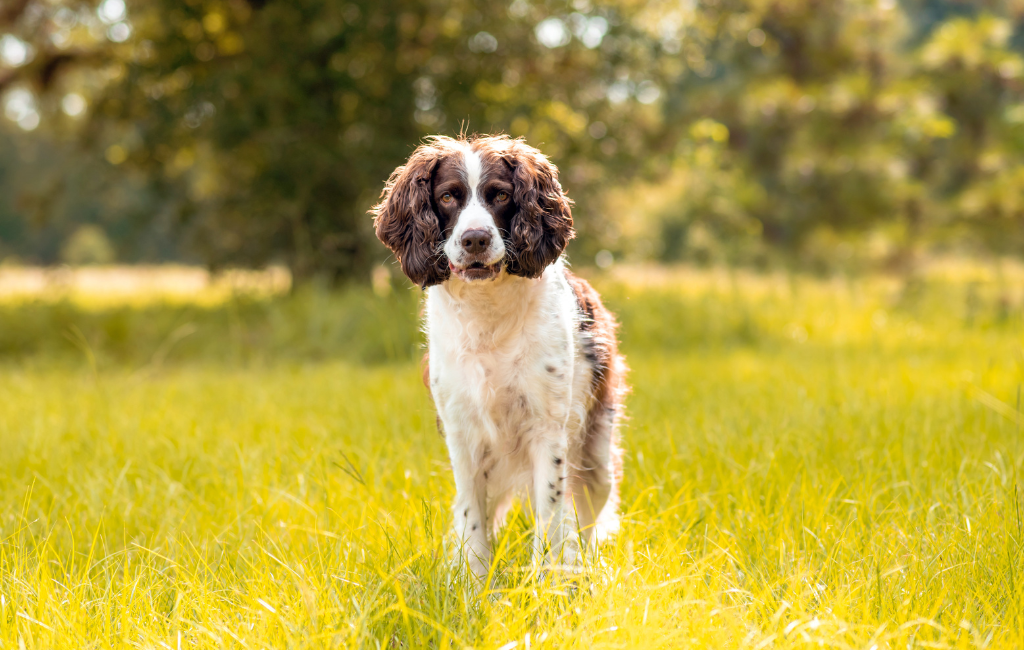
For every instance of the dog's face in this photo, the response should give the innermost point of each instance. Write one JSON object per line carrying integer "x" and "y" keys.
{"x": 474, "y": 209}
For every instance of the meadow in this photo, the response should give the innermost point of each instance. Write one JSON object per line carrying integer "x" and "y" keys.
{"x": 810, "y": 463}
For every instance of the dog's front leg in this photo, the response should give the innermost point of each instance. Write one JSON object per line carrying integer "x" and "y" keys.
{"x": 469, "y": 528}
{"x": 555, "y": 522}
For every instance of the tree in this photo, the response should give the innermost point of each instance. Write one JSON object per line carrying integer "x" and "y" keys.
{"x": 269, "y": 127}
{"x": 805, "y": 121}
{"x": 262, "y": 130}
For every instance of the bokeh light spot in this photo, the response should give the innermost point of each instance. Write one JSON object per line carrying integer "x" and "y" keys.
{"x": 112, "y": 11}
{"x": 73, "y": 104}
{"x": 552, "y": 32}
{"x": 647, "y": 92}
{"x": 14, "y": 52}
{"x": 483, "y": 42}
{"x": 119, "y": 33}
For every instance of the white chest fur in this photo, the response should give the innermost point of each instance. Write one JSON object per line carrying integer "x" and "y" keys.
{"x": 512, "y": 388}
{"x": 502, "y": 358}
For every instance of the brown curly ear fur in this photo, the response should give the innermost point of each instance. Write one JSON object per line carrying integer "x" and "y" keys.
{"x": 543, "y": 226}
{"x": 405, "y": 220}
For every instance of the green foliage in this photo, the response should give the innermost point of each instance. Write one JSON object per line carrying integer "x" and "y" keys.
{"x": 310, "y": 324}
{"x": 88, "y": 245}
{"x": 269, "y": 128}
{"x": 261, "y": 131}
{"x": 50, "y": 188}
{"x": 834, "y": 119}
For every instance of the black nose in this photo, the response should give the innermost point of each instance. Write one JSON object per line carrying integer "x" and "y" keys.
{"x": 476, "y": 241}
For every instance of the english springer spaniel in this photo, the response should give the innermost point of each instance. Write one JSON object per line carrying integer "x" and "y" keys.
{"x": 523, "y": 366}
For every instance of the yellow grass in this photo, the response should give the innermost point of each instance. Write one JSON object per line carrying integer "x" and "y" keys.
{"x": 810, "y": 464}
{"x": 115, "y": 285}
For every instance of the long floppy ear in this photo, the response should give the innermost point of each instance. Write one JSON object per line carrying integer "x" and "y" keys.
{"x": 542, "y": 227}
{"x": 405, "y": 220}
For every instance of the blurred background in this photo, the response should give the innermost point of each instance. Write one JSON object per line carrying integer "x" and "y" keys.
{"x": 821, "y": 135}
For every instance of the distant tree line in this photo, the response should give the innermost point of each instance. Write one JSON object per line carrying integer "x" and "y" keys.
{"x": 234, "y": 132}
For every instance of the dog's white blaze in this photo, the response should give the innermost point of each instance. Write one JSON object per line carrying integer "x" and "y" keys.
{"x": 474, "y": 171}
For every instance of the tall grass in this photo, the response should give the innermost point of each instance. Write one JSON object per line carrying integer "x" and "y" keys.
{"x": 809, "y": 464}
{"x": 310, "y": 324}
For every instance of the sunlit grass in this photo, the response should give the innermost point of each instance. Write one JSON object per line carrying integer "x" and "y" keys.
{"x": 809, "y": 463}
{"x": 99, "y": 286}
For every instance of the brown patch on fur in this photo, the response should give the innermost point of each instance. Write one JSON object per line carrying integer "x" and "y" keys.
{"x": 542, "y": 224}
{"x": 601, "y": 346}
{"x": 599, "y": 325}
{"x": 406, "y": 221}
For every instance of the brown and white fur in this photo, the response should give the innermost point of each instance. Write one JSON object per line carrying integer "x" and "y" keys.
{"x": 523, "y": 361}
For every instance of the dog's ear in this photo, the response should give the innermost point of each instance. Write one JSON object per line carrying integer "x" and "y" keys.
{"x": 542, "y": 226}
{"x": 405, "y": 220}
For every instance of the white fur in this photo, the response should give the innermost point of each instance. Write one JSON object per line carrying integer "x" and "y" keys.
{"x": 512, "y": 389}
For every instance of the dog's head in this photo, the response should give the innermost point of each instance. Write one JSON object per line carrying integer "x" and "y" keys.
{"x": 474, "y": 208}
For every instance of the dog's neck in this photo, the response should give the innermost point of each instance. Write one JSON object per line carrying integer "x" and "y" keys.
{"x": 503, "y": 293}
{"x": 493, "y": 307}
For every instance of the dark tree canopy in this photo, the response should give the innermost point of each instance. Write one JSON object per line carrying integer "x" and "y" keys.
{"x": 241, "y": 133}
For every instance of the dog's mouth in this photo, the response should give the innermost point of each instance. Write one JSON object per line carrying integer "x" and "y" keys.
{"x": 476, "y": 270}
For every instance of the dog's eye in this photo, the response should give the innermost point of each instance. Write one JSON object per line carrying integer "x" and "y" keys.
{"x": 502, "y": 197}
{"x": 447, "y": 197}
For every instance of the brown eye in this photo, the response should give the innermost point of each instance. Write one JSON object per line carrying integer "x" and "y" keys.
{"x": 447, "y": 197}
{"x": 502, "y": 197}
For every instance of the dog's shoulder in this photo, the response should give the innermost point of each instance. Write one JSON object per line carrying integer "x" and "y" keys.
{"x": 595, "y": 318}
{"x": 597, "y": 325}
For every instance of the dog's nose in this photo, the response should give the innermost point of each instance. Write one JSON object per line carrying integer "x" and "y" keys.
{"x": 476, "y": 241}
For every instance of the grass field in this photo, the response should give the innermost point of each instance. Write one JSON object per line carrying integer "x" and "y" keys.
{"x": 810, "y": 464}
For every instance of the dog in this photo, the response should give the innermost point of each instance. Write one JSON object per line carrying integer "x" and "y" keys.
{"x": 524, "y": 367}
